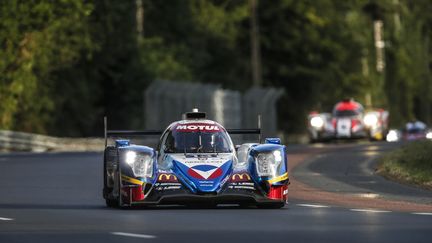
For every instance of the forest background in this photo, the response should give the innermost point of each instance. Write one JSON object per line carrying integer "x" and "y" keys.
{"x": 65, "y": 64}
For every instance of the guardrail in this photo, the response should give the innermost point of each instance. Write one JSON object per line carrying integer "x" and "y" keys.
{"x": 21, "y": 141}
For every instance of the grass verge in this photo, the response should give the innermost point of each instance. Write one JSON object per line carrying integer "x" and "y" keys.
{"x": 410, "y": 164}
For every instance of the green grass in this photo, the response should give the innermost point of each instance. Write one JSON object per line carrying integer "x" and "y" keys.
{"x": 411, "y": 164}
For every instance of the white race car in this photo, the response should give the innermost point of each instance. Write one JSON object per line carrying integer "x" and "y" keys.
{"x": 348, "y": 120}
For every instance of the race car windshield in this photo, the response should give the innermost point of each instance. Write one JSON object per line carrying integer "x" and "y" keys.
{"x": 415, "y": 130}
{"x": 197, "y": 142}
{"x": 344, "y": 113}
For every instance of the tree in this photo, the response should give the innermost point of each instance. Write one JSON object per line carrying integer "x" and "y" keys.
{"x": 37, "y": 37}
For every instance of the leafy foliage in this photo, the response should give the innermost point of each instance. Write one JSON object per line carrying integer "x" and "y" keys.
{"x": 37, "y": 38}
{"x": 67, "y": 63}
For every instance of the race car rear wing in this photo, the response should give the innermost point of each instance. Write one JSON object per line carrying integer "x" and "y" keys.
{"x": 138, "y": 133}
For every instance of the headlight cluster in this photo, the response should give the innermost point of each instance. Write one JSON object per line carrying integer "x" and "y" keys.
{"x": 370, "y": 120}
{"x": 392, "y": 136}
{"x": 268, "y": 163}
{"x": 142, "y": 164}
{"x": 429, "y": 135}
{"x": 317, "y": 122}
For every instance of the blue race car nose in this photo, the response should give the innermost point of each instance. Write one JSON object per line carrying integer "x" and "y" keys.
{"x": 205, "y": 178}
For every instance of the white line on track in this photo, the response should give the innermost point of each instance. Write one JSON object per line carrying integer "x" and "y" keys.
{"x": 429, "y": 214}
{"x": 134, "y": 235}
{"x": 312, "y": 205}
{"x": 369, "y": 210}
{"x": 5, "y": 219}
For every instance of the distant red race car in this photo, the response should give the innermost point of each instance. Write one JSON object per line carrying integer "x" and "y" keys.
{"x": 348, "y": 120}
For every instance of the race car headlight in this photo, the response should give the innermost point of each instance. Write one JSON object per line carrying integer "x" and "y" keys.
{"x": 429, "y": 135}
{"x": 317, "y": 122}
{"x": 142, "y": 164}
{"x": 370, "y": 120}
{"x": 130, "y": 157}
{"x": 392, "y": 136}
{"x": 268, "y": 163}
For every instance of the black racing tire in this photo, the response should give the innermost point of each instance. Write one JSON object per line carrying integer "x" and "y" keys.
{"x": 112, "y": 203}
{"x": 105, "y": 189}
{"x": 313, "y": 140}
{"x": 274, "y": 205}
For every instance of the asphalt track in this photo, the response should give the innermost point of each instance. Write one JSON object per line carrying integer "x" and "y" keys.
{"x": 56, "y": 197}
{"x": 351, "y": 169}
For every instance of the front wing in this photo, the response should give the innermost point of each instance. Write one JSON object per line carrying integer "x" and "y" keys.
{"x": 241, "y": 188}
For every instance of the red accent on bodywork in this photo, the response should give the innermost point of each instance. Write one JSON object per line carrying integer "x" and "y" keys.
{"x": 354, "y": 123}
{"x": 277, "y": 192}
{"x": 334, "y": 123}
{"x": 137, "y": 193}
{"x": 343, "y": 106}
{"x": 195, "y": 175}
{"x": 215, "y": 174}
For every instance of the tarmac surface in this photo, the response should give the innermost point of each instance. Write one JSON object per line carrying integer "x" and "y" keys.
{"x": 56, "y": 197}
{"x": 350, "y": 169}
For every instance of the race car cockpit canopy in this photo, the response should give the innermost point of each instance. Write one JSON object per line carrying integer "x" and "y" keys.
{"x": 197, "y": 138}
{"x": 348, "y": 107}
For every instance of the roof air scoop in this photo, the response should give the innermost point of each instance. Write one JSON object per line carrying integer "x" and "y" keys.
{"x": 195, "y": 114}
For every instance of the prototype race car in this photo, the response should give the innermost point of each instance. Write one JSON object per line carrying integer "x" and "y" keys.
{"x": 415, "y": 130}
{"x": 348, "y": 120}
{"x": 195, "y": 163}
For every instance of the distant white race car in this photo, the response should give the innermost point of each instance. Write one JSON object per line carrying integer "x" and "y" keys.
{"x": 348, "y": 121}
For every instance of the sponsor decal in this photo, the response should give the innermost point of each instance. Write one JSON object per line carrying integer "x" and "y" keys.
{"x": 165, "y": 186}
{"x": 204, "y": 184}
{"x": 194, "y": 127}
{"x": 241, "y": 181}
{"x": 205, "y": 172}
{"x": 240, "y": 177}
{"x": 242, "y": 185}
{"x": 167, "y": 178}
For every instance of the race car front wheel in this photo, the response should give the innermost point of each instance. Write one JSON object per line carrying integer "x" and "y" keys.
{"x": 112, "y": 203}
